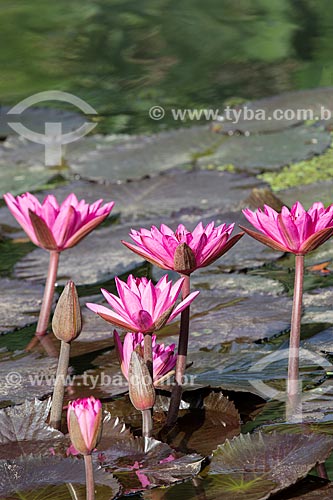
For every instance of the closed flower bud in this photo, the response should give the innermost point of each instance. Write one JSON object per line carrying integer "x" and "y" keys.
{"x": 141, "y": 387}
{"x": 84, "y": 421}
{"x": 67, "y": 320}
{"x": 184, "y": 259}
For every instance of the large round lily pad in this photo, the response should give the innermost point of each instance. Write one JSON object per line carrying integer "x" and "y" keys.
{"x": 293, "y": 108}
{"x": 218, "y": 320}
{"x": 271, "y": 151}
{"x": 172, "y": 193}
{"x": 20, "y": 168}
{"x": 23, "y": 375}
{"x": 99, "y": 257}
{"x": 308, "y": 194}
{"x": 119, "y": 158}
{"x": 20, "y": 304}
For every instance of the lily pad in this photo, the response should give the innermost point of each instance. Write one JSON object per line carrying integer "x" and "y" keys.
{"x": 120, "y": 158}
{"x": 201, "y": 429}
{"x": 318, "y": 306}
{"x": 309, "y": 193}
{"x": 264, "y": 119}
{"x": 27, "y": 473}
{"x": 145, "y": 462}
{"x": 269, "y": 152}
{"x": 24, "y": 374}
{"x": 98, "y": 258}
{"x": 194, "y": 191}
{"x": 218, "y": 320}
{"x": 19, "y": 305}
{"x": 280, "y": 461}
{"x": 23, "y": 430}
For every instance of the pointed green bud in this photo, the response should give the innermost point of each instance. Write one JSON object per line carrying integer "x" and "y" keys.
{"x": 141, "y": 387}
{"x": 184, "y": 261}
{"x": 67, "y": 320}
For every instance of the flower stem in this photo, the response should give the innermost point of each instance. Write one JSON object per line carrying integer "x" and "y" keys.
{"x": 294, "y": 392}
{"x": 148, "y": 353}
{"x": 176, "y": 394}
{"x": 45, "y": 310}
{"x": 147, "y": 423}
{"x": 147, "y": 420}
{"x": 59, "y": 386}
{"x": 90, "y": 484}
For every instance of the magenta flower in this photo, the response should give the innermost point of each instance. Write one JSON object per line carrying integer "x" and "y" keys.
{"x": 141, "y": 306}
{"x": 183, "y": 250}
{"x": 84, "y": 421}
{"x": 53, "y": 226}
{"x": 164, "y": 358}
{"x": 297, "y": 231}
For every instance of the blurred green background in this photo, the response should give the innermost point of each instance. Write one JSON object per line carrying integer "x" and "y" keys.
{"x": 124, "y": 56}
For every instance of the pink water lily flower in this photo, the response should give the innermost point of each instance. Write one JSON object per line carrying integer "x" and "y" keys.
{"x": 84, "y": 421}
{"x": 142, "y": 306}
{"x": 53, "y": 226}
{"x": 296, "y": 230}
{"x": 164, "y": 358}
{"x": 183, "y": 250}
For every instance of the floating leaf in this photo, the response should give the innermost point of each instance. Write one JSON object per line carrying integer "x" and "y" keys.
{"x": 93, "y": 261}
{"x": 258, "y": 153}
{"x": 280, "y": 461}
{"x": 146, "y": 462}
{"x": 258, "y": 116}
{"x": 192, "y": 191}
{"x": 308, "y": 194}
{"x": 26, "y": 374}
{"x": 217, "y": 321}
{"x": 201, "y": 429}
{"x": 19, "y": 305}
{"x": 119, "y": 158}
{"x": 23, "y": 430}
{"x": 27, "y": 473}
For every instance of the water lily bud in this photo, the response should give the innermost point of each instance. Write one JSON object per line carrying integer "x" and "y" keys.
{"x": 184, "y": 259}
{"x": 67, "y": 320}
{"x": 84, "y": 421}
{"x": 141, "y": 387}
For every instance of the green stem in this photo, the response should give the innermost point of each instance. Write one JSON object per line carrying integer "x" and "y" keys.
{"x": 294, "y": 393}
{"x": 90, "y": 484}
{"x": 59, "y": 386}
{"x": 176, "y": 394}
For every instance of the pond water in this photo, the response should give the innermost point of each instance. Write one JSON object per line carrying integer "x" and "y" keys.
{"x": 124, "y": 56}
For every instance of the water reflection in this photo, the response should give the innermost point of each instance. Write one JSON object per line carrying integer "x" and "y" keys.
{"x": 124, "y": 56}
